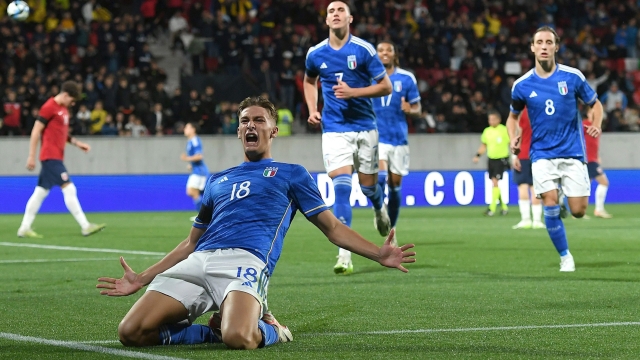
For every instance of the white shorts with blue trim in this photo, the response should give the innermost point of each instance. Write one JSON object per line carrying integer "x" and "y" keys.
{"x": 571, "y": 174}
{"x": 202, "y": 281}
{"x": 196, "y": 182}
{"x": 397, "y": 158}
{"x": 357, "y": 149}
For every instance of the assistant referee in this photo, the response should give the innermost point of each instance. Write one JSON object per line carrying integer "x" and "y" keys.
{"x": 495, "y": 142}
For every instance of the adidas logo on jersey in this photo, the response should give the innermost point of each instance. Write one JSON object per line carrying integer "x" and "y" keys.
{"x": 323, "y": 66}
{"x": 223, "y": 179}
{"x": 533, "y": 94}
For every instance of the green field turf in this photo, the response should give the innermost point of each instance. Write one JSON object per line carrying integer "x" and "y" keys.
{"x": 472, "y": 273}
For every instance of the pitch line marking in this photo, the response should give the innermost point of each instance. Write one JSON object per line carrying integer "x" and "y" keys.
{"x": 29, "y": 261}
{"x": 85, "y": 347}
{"x": 73, "y": 248}
{"x": 498, "y": 328}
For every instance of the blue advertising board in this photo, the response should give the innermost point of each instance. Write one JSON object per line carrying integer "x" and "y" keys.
{"x": 106, "y": 193}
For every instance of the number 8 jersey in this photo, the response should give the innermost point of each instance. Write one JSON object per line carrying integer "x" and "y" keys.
{"x": 552, "y": 104}
{"x": 356, "y": 63}
{"x": 251, "y": 206}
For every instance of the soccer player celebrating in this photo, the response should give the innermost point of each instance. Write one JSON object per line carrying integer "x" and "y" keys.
{"x": 391, "y": 112}
{"x": 227, "y": 259}
{"x": 550, "y": 92}
{"x": 52, "y": 124}
{"x": 523, "y": 178}
{"x": 495, "y": 142}
{"x": 596, "y": 172}
{"x": 199, "y": 170}
{"x": 346, "y": 66}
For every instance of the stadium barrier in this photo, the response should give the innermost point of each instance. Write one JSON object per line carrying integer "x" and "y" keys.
{"x": 110, "y": 193}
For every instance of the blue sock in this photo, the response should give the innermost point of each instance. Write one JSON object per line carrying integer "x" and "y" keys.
{"x": 375, "y": 193}
{"x": 394, "y": 205}
{"x": 382, "y": 178}
{"x": 198, "y": 203}
{"x": 555, "y": 228}
{"x": 269, "y": 334}
{"x": 342, "y": 206}
{"x": 194, "y": 334}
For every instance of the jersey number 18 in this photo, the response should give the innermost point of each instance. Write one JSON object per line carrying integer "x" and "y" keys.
{"x": 240, "y": 192}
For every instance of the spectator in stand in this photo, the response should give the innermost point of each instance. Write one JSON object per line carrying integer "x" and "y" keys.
{"x": 158, "y": 122}
{"x": 194, "y": 109}
{"x": 83, "y": 116}
{"x": 11, "y": 124}
{"x": 109, "y": 128}
{"x": 97, "y": 119}
{"x": 287, "y": 85}
{"x": 209, "y": 104}
{"x": 614, "y": 99}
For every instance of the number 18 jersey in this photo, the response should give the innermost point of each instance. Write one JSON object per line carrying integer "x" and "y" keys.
{"x": 552, "y": 104}
{"x": 253, "y": 205}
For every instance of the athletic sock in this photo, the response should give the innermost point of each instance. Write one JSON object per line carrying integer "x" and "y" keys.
{"x": 342, "y": 206}
{"x": 601, "y": 195}
{"x": 525, "y": 214}
{"x": 382, "y": 178}
{"x": 503, "y": 204}
{"x": 194, "y": 334}
{"x": 555, "y": 228}
{"x": 33, "y": 205}
{"x": 269, "y": 334}
{"x": 375, "y": 193}
{"x": 394, "y": 205}
{"x": 198, "y": 203}
{"x": 536, "y": 211}
{"x": 495, "y": 195}
{"x": 73, "y": 205}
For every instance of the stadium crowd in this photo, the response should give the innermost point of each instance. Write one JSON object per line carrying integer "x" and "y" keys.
{"x": 466, "y": 54}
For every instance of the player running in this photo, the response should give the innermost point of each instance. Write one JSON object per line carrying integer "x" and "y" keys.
{"x": 227, "y": 260}
{"x": 391, "y": 112}
{"x": 199, "y": 170}
{"x": 346, "y": 65}
{"x": 596, "y": 172}
{"x": 495, "y": 142}
{"x": 52, "y": 124}
{"x": 523, "y": 178}
{"x": 550, "y": 92}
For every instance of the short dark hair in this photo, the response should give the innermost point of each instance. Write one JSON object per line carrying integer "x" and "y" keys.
{"x": 71, "y": 87}
{"x": 549, "y": 29}
{"x": 396, "y": 58}
{"x": 194, "y": 125}
{"x": 344, "y": 2}
{"x": 494, "y": 112}
{"x": 261, "y": 102}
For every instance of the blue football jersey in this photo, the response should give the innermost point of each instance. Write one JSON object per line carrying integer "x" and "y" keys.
{"x": 392, "y": 121}
{"x": 356, "y": 63}
{"x": 552, "y": 104}
{"x": 194, "y": 146}
{"x": 253, "y": 205}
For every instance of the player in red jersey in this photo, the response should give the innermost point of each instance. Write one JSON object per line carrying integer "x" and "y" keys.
{"x": 524, "y": 179}
{"x": 596, "y": 172}
{"x": 53, "y": 125}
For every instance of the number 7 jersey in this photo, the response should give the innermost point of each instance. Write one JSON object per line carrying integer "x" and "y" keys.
{"x": 253, "y": 205}
{"x": 552, "y": 104}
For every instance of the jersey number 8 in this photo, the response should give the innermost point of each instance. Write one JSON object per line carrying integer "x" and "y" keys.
{"x": 549, "y": 109}
{"x": 242, "y": 190}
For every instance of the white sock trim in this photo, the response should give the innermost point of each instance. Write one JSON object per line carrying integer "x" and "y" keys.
{"x": 32, "y": 207}
{"x": 344, "y": 253}
{"x": 73, "y": 205}
{"x": 601, "y": 196}
{"x": 536, "y": 211}
{"x": 524, "y": 209}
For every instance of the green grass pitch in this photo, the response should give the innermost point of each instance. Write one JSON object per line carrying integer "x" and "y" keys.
{"x": 475, "y": 288}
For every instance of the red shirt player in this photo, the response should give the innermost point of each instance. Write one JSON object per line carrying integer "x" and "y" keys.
{"x": 595, "y": 171}
{"x": 52, "y": 125}
{"x": 523, "y": 177}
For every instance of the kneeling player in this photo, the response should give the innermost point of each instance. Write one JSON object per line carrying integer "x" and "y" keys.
{"x": 227, "y": 260}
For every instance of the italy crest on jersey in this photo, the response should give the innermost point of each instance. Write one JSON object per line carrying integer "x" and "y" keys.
{"x": 270, "y": 172}
{"x": 397, "y": 86}
{"x": 562, "y": 88}
{"x": 351, "y": 62}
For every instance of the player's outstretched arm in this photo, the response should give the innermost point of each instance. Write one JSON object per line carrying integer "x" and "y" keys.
{"x": 131, "y": 282}
{"x": 310, "y": 86}
{"x": 341, "y": 235}
{"x": 36, "y": 132}
{"x": 512, "y": 128}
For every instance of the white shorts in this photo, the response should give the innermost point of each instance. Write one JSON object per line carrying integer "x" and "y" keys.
{"x": 202, "y": 281}
{"x": 571, "y": 174}
{"x": 357, "y": 149}
{"x": 397, "y": 158}
{"x": 196, "y": 182}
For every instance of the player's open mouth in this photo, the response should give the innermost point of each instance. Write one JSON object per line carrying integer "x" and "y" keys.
{"x": 251, "y": 138}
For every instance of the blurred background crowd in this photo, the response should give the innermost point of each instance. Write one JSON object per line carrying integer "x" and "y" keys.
{"x": 149, "y": 66}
